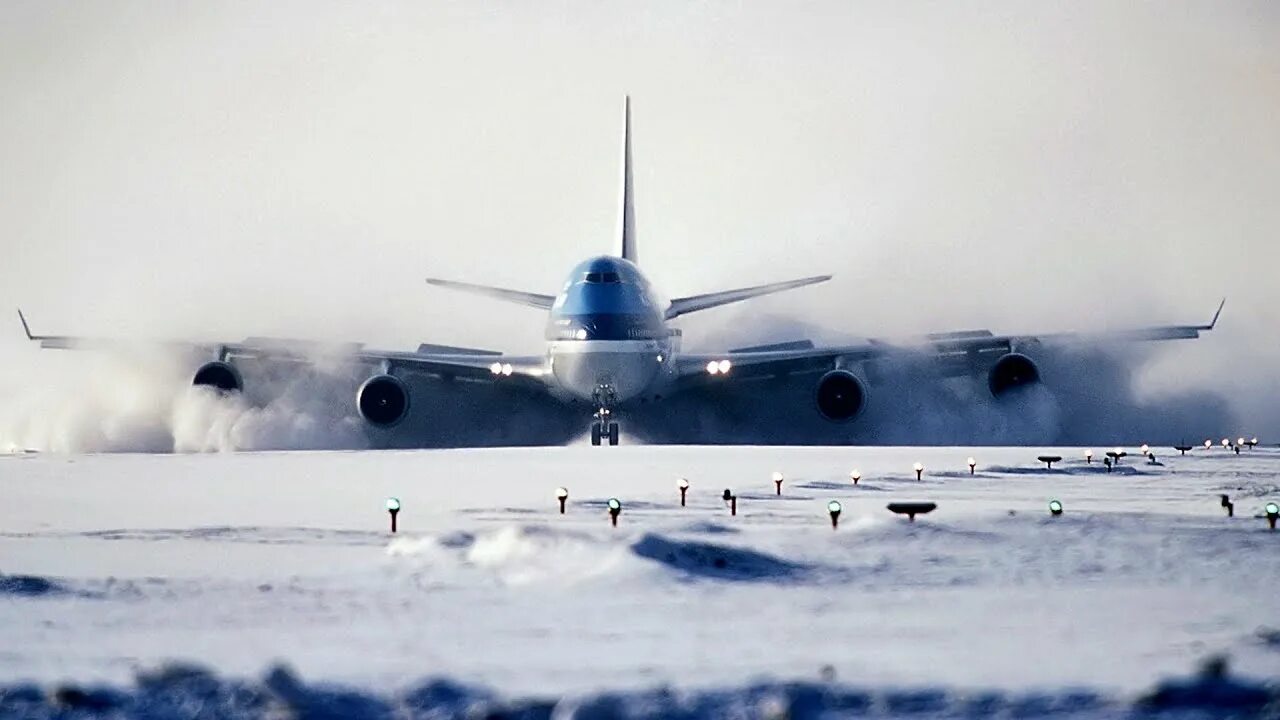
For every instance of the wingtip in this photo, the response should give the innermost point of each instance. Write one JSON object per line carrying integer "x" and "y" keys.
{"x": 25, "y": 327}
{"x": 1218, "y": 313}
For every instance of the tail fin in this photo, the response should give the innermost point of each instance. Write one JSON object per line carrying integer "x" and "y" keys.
{"x": 627, "y": 210}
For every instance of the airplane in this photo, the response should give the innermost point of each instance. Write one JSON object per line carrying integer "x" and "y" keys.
{"x": 610, "y": 343}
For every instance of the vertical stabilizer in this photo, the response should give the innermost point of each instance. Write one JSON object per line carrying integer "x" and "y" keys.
{"x": 627, "y": 210}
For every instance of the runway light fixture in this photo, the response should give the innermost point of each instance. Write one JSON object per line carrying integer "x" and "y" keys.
{"x": 919, "y": 468}
{"x": 1226, "y": 442}
{"x": 684, "y": 489}
{"x": 833, "y": 509}
{"x": 393, "y": 509}
{"x": 1273, "y": 512}
{"x": 1049, "y": 460}
{"x": 562, "y": 494}
{"x": 855, "y": 475}
{"x": 1208, "y": 444}
{"x": 777, "y": 482}
{"x": 615, "y": 509}
{"x": 1088, "y": 457}
{"x": 973, "y": 465}
{"x": 1055, "y": 508}
{"x": 731, "y": 500}
{"x": 1146, "y": 449}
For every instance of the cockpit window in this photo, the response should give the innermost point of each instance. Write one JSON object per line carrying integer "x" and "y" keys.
{"x": 592, "y": 277}
{"x": 602, "y": 277}
{"x": 611, "y": 277}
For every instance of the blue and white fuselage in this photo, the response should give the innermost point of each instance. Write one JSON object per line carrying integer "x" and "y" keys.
{"x": 607, "y": 337}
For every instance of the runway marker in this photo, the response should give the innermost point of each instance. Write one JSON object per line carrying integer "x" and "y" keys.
{"x": 1049, "y": 460}
{"x": 911, "y": 509}
{"x": 919, "y": 468}
{"x": 562, "y": 494}
{"x": 972, "y": 465}
{"x": 615, "y": 509}
{"x": 833, "y": 509}
{"x": 777, "y": 482}
{"x": 1229, "y": 506}
{"x": 1055, "y": 508}
{"x": 393, "y": 509}
{"x": 684, "y": 489}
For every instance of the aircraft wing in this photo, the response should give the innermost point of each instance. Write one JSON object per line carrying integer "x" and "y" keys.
{"x": 950, "y": 354}
{"x": 512, "y": 296}
{"x": 438, "y": 360}
{"x": 693, "y": 303}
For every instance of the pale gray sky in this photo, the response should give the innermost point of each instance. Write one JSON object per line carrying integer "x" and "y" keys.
{"x": 214, "y": 170}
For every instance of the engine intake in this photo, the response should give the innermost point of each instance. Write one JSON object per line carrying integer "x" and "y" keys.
{"x": 219, "y": 375}
{"x": 840, "y": 396}
{"x": 383, "y": 400}
{"x": 1011, "y": 372}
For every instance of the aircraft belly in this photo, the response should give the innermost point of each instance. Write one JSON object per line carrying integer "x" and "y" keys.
{"x": 627, "y": 366}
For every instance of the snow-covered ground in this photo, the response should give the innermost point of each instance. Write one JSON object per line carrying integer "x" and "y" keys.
{"x": 114, "y": 564}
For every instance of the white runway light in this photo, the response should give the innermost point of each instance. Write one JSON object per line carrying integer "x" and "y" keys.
{"x": 615, "y": 509}
{"x": 562, "y": 495}
{"x": 1273, "y": 512}
{"x": 919, "y": 468}
{"x": 777, "y": 482}
{"x": 393, "y": 509}
{"x": 855, "y": 475}
{"x": 973, "y": 465}
{"x": 684, "y": 489}
{"x": 1055, "y": 508}
{"x": 1088, "y": 457}
{"x": 1146, "y": 449}
{"x": 1208, "y": 444}
{"x": 834, "y": 509}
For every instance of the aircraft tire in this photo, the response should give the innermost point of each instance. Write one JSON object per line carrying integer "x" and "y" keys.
{"x": 613, "y": 434}
{"x": 595, "y": 435}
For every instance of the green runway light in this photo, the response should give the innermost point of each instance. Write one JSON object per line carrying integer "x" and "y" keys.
{"x": 1055, "y": 507}
{"x": 614, "y": 505}
{"x": 1273, "y": 509}
{"x": 833, "y": 506}
{"x": 393, "y": 504}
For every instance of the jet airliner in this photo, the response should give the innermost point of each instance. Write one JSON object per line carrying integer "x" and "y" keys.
{"x": 609, "y": 342}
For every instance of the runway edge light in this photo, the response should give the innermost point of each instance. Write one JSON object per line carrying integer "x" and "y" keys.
{"x": 562, "y": 495}
{"x": 833, "y": 509}
{"x": 393, "y": 509}
{"x": 1055, "y": 508}
{"x": 615, "y": 509}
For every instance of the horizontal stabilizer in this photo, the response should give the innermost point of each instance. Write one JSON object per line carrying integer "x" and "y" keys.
{"x": 512, "y": 296}
{"x": 694, "y": 303}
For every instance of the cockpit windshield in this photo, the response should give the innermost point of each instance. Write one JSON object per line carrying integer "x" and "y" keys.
{"x": 602, "y": 277}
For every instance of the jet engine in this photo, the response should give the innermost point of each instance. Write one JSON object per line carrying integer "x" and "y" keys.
{"x": 1011, "y": 372}
{"x": 219, "y": 375}
{"x": 840, "y": 396}
{"x": 383, "y": 400}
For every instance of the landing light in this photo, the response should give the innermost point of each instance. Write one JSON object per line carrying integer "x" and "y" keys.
{"x": 713, "y": 368}
{"x": 496, "y": 368}
{"x": 506, "y": 369}
{"x": 725, "y": 367}
{"x": 580, "y": 334}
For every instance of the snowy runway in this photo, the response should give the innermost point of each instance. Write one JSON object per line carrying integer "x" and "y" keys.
{"x": 237, "y": 561}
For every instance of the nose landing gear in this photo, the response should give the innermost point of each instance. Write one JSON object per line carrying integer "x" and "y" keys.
{"x": 603, "y": 427}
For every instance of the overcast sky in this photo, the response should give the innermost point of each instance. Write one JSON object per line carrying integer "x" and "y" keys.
{"x": 216, "y": 170}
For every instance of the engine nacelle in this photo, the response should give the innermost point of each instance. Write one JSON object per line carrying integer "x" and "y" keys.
{"x": 1011, "y": 372}
{"x": 383, "y": 400}
{"x": 840, "y": 396}
{"x": 219, "y": 375}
